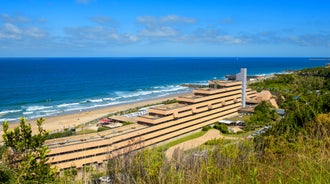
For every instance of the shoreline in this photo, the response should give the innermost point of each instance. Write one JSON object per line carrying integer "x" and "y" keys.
{"x": 75, "y": 118}
{"x": 59, "y": 122}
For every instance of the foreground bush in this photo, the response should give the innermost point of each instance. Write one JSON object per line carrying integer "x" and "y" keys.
{"x": 26, "y": 154}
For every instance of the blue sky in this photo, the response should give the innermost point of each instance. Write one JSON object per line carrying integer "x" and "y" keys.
{"x": 165, "y": 28}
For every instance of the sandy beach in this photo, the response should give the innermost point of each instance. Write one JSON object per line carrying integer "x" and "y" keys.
{"x": 60, "y": 122}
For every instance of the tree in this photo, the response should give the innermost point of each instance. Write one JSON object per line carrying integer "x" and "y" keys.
{"x": 264, "y": 114}
{"x": 26, "y": 153}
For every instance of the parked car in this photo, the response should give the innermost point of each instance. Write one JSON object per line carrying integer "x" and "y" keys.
{"x": 240, "y": 123}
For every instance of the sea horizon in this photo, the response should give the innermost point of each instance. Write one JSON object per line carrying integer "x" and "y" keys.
{"x": 129, "y": 57}
{"x": 36, "y": 87}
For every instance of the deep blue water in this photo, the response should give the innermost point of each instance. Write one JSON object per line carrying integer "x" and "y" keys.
{"x": 35, "y": 87}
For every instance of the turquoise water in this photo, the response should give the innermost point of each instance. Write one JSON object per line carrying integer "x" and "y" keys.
{"x": 37, "y": 87}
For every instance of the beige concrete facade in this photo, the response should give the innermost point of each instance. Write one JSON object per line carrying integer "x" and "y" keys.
{"x": 192, "y": 112}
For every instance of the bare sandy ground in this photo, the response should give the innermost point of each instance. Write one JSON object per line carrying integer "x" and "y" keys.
{"x": 211, "y": 134}
{"x": 60, "y": 122}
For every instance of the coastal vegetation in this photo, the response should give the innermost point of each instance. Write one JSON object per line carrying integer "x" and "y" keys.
{"x": 65, "y": 133}
{"x": 221, "y": 127}
{"x": 264, "y": 114}
{"x": 296, "y": 149}
{"x": 24, "y": 160}
{"x": 206, "y": 128}
{"x": 169, "y": 101}
{"x": 102, "y": 128}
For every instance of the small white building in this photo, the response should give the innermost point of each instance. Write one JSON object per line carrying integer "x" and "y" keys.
{"x": 227, "y": 122}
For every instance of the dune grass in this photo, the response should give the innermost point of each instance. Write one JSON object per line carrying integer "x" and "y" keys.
{"x": 227, "y": 162}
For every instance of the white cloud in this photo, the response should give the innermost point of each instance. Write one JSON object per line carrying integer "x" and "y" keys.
{"x": 321, "y": 39}
{"x": 132, "y": 38}
{"x": 12, "y": 28}
{"x": 35, "y": 32}
{"x": 151, "y": 21}
{"x": 19, "y": 28}
{"x": 159, "y": 32}
{"x": 102, "y": 19}
{"x": 14, "y": 19}
{"x": 18, "y": 32}
{"x": 213, "y": 36}
{"x": 176, "y": 19}
{"x": 228, "y": 39}
{"x": 10, "y": 31}
{"x": 97, "y": 36}
{"x": 105, "y": 21}
{"x": 285, "y": 37}
{"x": 165, "y": 28}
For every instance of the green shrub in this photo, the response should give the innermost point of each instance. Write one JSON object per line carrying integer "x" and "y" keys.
{"x": 95, "y": 176}
{"x": 221, "y": 127}
{"x": 126, "y": 123}
{"x": 169, "y": 101}
{"x": 64, "y": 133}
{"x": 6, "y": 175}
{"x": 206, "y": 128}
{"x": 240, "y": 132}
{"x": 224, "y": 129}
{"x": 3, "y": 149}
{"x": 101, "y": 128}
{"x": 213, "y": 142}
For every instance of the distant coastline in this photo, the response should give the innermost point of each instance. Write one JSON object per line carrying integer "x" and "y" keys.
{"x": 319, "y": 59}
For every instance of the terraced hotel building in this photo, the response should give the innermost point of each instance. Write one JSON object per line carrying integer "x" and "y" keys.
{"x": 203, "y": 107}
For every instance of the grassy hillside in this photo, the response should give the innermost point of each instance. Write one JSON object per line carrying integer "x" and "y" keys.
{"x": 295, "y": 150}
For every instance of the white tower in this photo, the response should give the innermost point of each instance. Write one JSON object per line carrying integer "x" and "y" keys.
{"x": 242, "y": 77}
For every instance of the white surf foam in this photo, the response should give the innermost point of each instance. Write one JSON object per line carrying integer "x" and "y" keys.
{"x": 156, "y": 91}
{"x": 95, "y": 100}
{"x": 49, "y": 111}
{"x": 37, "y": 107}
{"x": 27, "y": 113}
{"x": 9, "y": 111}
{"x": 67, "y": 104}
{"x": 110, "y": 99}
{"x": 36, "y": 116}
{"x": 8, "y": 119}
{"x": 120, "y": 97}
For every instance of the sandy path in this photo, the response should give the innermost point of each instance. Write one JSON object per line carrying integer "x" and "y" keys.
{"x": 60, "y": 122}
{"x": 211, "y": 134}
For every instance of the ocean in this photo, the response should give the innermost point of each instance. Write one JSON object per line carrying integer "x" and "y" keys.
{"x": 41, "y": 87}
